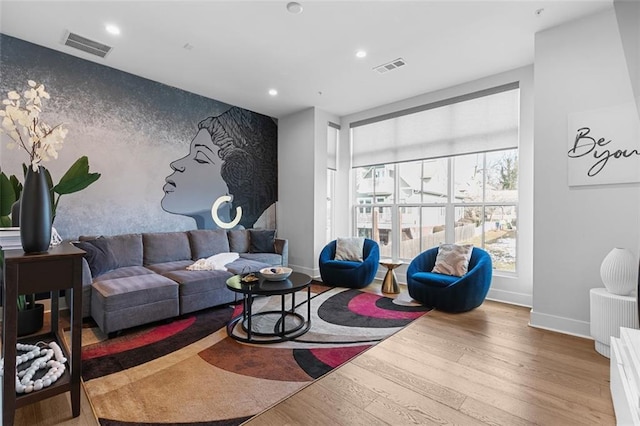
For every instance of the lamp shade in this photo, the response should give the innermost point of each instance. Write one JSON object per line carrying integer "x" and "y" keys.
{"x": 619, "y": 272}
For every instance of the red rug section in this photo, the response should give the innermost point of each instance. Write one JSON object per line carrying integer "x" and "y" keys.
{"x": 365, "y": 304}
{"x": 334, "y": 357}
{"x": 156, "y": 334}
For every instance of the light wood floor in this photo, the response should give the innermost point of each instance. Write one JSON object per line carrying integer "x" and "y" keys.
{"x": 56, "y": 411}
{"x": 486, "y": 366}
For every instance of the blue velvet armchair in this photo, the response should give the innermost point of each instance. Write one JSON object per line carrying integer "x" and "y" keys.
{"x": 345, "y": 273}
{"x": 449, "y": 293}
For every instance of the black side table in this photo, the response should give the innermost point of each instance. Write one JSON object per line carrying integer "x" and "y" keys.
{"x": 58, "y": 269}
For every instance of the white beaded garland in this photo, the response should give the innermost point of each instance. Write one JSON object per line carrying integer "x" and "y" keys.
{"x": 45, "y": 358}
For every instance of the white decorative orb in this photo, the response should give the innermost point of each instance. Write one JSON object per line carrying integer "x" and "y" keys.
{"x": 619, "y": 272}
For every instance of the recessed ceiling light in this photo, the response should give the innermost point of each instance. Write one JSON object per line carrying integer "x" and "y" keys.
{"x": 112, "y": 29}
{"x": 539, "y": 12}
{"x": 273, "y": 92}
{"x": 294, "y": 7}
{"x": 361, "y": 54}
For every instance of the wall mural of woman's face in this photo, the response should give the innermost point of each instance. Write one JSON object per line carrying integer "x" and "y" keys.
{"x": 196, "y": 181}
{"x": 229, "y": 183}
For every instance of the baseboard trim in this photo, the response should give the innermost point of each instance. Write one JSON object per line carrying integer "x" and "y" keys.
{"x": 560, "y": 324}
{"x": 510, "y": 297}
{"x": 312, "y": 272}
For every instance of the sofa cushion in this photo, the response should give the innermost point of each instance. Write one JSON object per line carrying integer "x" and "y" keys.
{"x": 207, "y": 242}
{"x": 161, "y": 268}
{"x": 239, "y": 241}
{"x": 342, "y": 264}
{"x": 270, "y": 259}
{"x": 126, "y": 248}
{"x": 98, "y": 254}
{"x": 245, "y": 266}
{"x": 262, "y": 240}
{"x": 434, "y": 279}
{"x": 193, "y": 282}
{"x": 160, "y": 247}
{"x": 127, "y": 271}
{"x": 121, "y": 293}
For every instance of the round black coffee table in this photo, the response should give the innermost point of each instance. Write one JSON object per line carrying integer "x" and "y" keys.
{"x": 278, "y": 325}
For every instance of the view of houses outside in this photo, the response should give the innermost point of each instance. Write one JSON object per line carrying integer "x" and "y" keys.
{"x": 469, "y": 199}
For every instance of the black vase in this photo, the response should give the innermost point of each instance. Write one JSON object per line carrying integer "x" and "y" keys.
{"x": 35, "y": 212}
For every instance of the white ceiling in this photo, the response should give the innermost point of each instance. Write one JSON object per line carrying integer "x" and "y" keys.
{"x": 243, "y": 48}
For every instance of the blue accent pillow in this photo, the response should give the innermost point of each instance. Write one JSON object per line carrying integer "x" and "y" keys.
{"x": 98, "y": 254}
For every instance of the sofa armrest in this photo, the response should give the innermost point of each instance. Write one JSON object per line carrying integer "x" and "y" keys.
{"x": 87, "y": 280}
{"x": 282, "y": 248}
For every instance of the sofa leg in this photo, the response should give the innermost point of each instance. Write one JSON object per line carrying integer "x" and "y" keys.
{"x": 114, "y": 334}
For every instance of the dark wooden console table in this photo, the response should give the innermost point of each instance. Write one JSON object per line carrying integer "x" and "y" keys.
{"x": 59, "y": 269}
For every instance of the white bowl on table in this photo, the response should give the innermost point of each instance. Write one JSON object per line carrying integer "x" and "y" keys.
{"x": 276, "y": 273}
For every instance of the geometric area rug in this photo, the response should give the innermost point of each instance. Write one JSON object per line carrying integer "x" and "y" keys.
{"x": 189, "y": 372}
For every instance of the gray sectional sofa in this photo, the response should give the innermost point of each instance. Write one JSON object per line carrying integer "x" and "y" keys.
{"x": 134, "y": 279}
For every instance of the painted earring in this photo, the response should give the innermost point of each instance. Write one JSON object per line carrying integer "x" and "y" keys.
{"x": 216, "y": 218}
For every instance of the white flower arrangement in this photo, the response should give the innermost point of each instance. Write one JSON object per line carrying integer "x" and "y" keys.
{"x": 21, "y": 121}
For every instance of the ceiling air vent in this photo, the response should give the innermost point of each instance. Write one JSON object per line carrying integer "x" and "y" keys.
{"x": 389, "y": 66}
{"x": 82, "y": 43}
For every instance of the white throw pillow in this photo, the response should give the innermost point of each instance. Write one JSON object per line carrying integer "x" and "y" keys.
{"x": 453, "y": 259}
{"x": 350, "y": 248}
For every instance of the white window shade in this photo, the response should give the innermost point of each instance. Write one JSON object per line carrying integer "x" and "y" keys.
{"x": 332, "y": 145}
{"x": 478, "y": 122}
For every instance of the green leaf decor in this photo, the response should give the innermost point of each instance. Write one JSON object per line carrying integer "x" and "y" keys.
{"x": 77, "y": 178}
{"x": 7, "y": 195}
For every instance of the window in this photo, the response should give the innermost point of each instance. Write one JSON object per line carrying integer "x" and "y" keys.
{"x": 486, "y": 204}
{"x": 482, "y": 208}
{"x": 466, "y": 193}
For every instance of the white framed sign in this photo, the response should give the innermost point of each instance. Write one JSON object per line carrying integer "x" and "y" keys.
{"x": 604, "y": 146}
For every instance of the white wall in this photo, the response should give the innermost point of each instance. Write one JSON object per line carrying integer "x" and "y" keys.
{"x": 628, "y": 17}
{"x": 505, "y": 287}
{"x": 579, "y": 66}
{"x": 295, "y": 186}
{"x": 322, "y": 119}
{"x": 302, "y": 177}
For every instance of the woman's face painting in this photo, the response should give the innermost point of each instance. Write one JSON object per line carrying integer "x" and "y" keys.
{"x": 196, "y": 181}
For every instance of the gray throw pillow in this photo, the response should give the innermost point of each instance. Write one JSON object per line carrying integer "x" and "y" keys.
{"x": 262, "y": 240}
{"x": 453, "y": 259}
{"x": 239, "y": 241}
{"x": 98, "y": 254}
{"x": 350, "y": 248}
